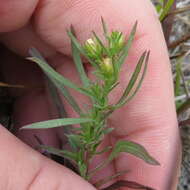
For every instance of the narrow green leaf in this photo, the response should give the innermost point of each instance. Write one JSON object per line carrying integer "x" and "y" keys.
{"x": 113, "y": 86}
{"x": 80, "y": 48}
{"x": 74, "y": 40}
{"x": 56, "y": 99}
{"x": 127, "y": 147}
{"x": 68, "y": 96}
{"x": 107, "y": 130}
{"x": 82, "y": 169}
{"x": 134, "y": 149}
{"x": 128, "y": 45}
{"x": 53, "y": 74}
{"x": 104, "y": 27}
{"x": 79, "y": 65}
{"x": 100, "y": 42}
{"x": 74, "y": 141}
{"x": 62, "y": 153}
{"x": 159, "y": 8}
{"x": 56, "y": 123}
{"x": 166, "y": 9}
{"x": 140, "y": 81}
{"x": 33, "y": 52}
{"x": 133, "y": 79}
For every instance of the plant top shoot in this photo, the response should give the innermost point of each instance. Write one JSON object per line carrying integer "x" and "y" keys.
{"x": 106, "y": 58}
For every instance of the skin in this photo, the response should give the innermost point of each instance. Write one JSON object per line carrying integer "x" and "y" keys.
{"x": 149, "y": 119}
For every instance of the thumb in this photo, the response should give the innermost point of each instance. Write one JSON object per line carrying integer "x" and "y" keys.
{"x": 23, "y": 168}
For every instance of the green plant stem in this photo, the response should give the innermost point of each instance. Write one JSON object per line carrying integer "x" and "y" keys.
{"x": 89, "y": 154}
{"x": 166, "y": 9}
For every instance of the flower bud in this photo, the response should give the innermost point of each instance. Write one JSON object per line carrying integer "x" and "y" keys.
{"x": 117, "y": 41}
{"x": 93, "y": 48}
{"x": 106, "y": 65}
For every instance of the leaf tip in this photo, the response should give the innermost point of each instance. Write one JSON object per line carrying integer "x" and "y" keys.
{"x": 135, "y": 27}
{"x": 153, "y": 161}
{"x": 23, "y": 128}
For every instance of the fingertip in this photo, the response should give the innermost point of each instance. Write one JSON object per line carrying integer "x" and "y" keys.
{"x": 15, "y": 14}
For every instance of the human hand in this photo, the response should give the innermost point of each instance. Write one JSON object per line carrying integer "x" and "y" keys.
{"x": 149, "y": 118}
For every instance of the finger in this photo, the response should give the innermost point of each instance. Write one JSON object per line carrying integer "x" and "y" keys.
{"x": 151, "y": 115}
{"x": 21, "y": 40}
{"x": 15, "y": 14}
{"x": 18, "y": 71}
{"x": 23, "y": 168}
{"x": 31, "y": 104}
{"x": 51, "y": 21}
{"x": 31, "y": 108}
